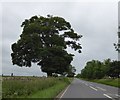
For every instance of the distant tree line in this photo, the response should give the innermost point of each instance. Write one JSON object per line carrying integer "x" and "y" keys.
{"x": 96, "y": 69}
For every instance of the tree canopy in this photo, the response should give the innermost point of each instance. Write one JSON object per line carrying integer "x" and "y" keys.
{"x": 96, "y": 70}
{"x": 71, "y": 71}
{"x": 44, "y": 41}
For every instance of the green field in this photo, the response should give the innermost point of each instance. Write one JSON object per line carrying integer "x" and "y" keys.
{"x": 33, "y": 87}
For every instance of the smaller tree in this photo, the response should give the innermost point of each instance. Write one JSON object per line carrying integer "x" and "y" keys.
{"x": 78, "y": 75}
{"x": 114, "y": 70}
{"x": 71, "y": 71}
{"x": 106, "y": 66}
{"x": 93, "y": 70}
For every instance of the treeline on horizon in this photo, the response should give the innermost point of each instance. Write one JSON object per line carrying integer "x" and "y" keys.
{"x": 97, "y": 70}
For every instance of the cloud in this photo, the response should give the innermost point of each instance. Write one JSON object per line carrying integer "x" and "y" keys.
{"x": 97, "y": 22}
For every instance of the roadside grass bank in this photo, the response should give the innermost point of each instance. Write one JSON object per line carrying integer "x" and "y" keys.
{"x": 33, "y": 87}
{"x": 111, "y": 82}
{"x": 50, "y": 92}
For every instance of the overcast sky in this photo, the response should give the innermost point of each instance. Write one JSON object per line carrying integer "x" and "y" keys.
{"x": 96, "y": 21}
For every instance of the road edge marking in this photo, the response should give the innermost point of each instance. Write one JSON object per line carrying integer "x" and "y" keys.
{"x": 86, "y": 84}
{"x": 64, "y": 91}
{"x": 93, "y": 88}
{"x": 107, "y": 96}
{"x": 117, "y": 95}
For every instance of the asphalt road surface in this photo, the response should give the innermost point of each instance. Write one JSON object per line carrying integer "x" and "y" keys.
{"x": 80, "y": 89}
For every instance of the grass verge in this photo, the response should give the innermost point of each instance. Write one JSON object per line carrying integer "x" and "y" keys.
{"x": 110, "y": 82}
{"x": 33, "y": 87}
{"x": 50, "y": 92}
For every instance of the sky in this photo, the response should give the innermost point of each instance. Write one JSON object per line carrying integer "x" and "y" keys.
{"x": 96, "y": 21}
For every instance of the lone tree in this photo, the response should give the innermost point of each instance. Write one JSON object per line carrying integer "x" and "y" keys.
{"x": 44, "y": 41}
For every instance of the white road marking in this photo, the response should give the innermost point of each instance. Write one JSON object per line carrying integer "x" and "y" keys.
{"x": 101, "y": 89}
{"x": 86, "y": 84}
{"x": 107, "y": 96}
{"x": 91, "y": 84}
{"x": 93, "y": 88}
{"x": 117, "y": 95}
{"x": 64, "y": 92}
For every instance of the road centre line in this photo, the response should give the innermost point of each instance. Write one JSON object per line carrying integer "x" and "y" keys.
{"x": 101, "y": 88}
{"x": 107, "y": 96}
{"x": 64, "y": 92}
{"x": 93, "y": 88}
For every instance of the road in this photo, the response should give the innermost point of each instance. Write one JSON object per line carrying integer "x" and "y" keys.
{"x": 80, "y": 89}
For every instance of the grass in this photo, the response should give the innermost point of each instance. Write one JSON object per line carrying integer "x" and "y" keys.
{"x": 35, "y": 87}
{"x": 111, "y": 82}
{"x": 50, "y": 92}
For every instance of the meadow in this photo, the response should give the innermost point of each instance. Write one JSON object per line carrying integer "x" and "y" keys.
{"x": 33, "y": 87}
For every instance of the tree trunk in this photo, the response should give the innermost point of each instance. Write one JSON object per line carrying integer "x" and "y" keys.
{"x": 49, "y": 74}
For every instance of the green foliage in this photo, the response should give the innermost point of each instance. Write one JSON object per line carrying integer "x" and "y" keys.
{"x": 71, "y": 71}
{"x": 114, "y": 70}
{"x": 78, "y": 75}
{"x": 96, "y": 70}
{"x": 26, "y": 86}
{"x": 93, "y": 69}
{"x": 57, "y": 62}
{"x": 43, "y": 41}
{"x": 51, "y": 92}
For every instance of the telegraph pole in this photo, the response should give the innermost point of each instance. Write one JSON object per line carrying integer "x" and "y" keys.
{"x": 118, "y": 45}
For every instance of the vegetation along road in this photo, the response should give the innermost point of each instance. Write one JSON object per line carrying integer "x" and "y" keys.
{"x": 32, "y": 87}
{"x": 84, "y": 89}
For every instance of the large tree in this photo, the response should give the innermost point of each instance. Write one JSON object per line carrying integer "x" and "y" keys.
{"x": 44, "y": 41}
